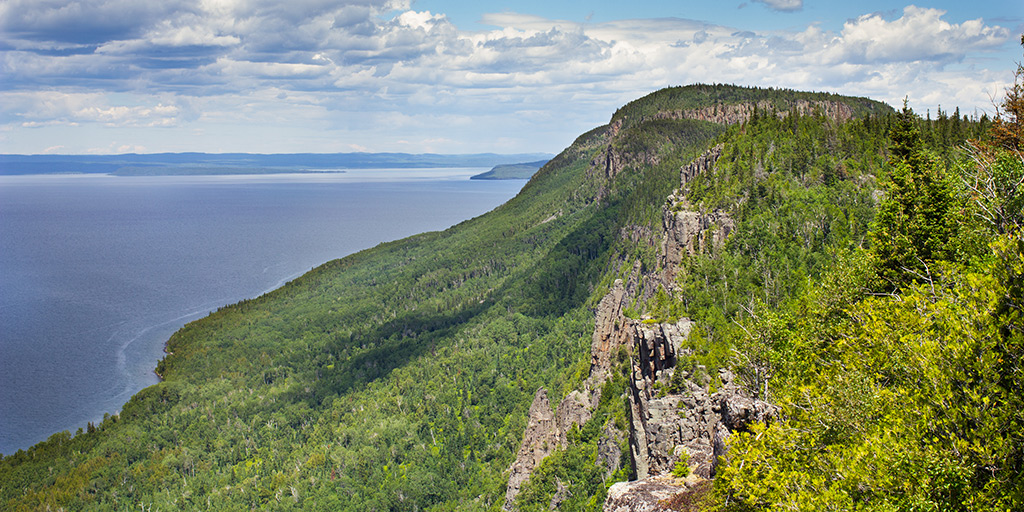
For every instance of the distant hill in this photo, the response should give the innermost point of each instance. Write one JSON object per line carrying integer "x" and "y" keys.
{"x": 243, "y": 163}
{"x": 522, "y": 171}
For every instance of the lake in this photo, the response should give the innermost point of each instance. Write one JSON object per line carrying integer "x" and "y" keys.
{"x": 97, "y": 271}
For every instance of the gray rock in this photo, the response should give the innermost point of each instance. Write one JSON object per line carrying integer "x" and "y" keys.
{"x": 642, "y": 495}
{"x": 609, "y": 451}
{"x": 539, "y": 440}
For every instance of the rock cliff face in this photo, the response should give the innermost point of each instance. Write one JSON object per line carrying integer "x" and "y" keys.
{"x": 643, "y": 495}
{"x": 693, "y": 421}
{"x": 610, "y": 332}
{"x": 672, "y": 416}
{"x": 687, "y": 231}
{"x": 742, "y": 112}
{"x": 612, "y": 159}
{"x": 538, "y": 442}
{"x": 699, "y": 165}
{"x": 545, "y": 431}
{"x": 663, "y": 426}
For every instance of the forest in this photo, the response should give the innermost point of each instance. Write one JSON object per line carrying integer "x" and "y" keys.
{"x": 872, "y": 290}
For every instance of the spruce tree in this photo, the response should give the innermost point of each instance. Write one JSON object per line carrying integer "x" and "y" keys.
{"x": 914, "y": 224}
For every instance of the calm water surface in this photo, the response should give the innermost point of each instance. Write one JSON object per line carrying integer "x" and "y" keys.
{"x": 96, "y": 272}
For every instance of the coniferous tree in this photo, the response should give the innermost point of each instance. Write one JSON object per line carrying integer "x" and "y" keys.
{"x": 915, "y": 223}
{"x": 1008, "y": 127}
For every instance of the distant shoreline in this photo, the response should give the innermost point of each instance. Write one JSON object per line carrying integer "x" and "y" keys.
{"x": 183, "y": 164}
{"x": 520, "y": 171}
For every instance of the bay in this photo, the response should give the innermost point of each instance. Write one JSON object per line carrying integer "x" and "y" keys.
{"x": 97, "y": 271}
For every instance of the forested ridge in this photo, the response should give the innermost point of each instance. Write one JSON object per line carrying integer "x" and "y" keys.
{"x": 870, "y": 288}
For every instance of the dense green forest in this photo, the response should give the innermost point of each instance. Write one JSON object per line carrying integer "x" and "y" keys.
{"x": 872, "y": 289}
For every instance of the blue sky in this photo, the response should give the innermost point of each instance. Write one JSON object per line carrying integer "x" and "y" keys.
{"x": 454, "y": 76}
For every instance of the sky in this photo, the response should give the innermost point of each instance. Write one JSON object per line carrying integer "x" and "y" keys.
{"x": 456, "y": 76}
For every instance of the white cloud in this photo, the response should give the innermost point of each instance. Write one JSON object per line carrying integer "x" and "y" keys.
{"x": 920, "y": 34}
{"x": 338, "y": 66}
{"x": 49, "y": 108}
{"x": 783, "y": 5}
{"x": 167, "y": 35}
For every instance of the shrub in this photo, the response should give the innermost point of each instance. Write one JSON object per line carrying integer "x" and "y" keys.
{"x": 682, "y": 469}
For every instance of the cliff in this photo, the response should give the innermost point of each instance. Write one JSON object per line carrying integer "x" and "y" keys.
{"x": 675, "y": 413}
{"x": 530, "y": 357}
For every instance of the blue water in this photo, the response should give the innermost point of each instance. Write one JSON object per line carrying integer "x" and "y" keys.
{"x": 96, "y": 272}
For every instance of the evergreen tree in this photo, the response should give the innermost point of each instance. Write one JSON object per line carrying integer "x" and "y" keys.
{"x": 1008, "y": 128}
{"x": 915, "y": 221}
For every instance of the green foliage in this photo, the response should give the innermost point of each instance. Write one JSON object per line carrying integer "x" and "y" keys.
{"x": 912, "y": 406}
{"x": 399, "y": 378}
{"x": 995, "y": 180}
{"x": 908, "y": 401}
{"x": 800, "y": 190}
{"x": 915, "y": 225}
{"x": 682, "y": 467}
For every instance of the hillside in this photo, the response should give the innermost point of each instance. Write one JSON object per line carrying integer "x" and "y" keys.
{"x": 655, "y": 293}
{"x": 522, "y": 171}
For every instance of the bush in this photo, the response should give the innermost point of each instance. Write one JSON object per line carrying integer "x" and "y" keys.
{"x": 682, "y": 469}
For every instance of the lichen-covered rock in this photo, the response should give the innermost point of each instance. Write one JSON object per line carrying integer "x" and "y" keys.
{"x": 609, "y": 451}
{"x": 609, "y": 331}
{"x": 665, "y": 425}
{"x": 646, "y": 495}
{"x": 539, "y": 441}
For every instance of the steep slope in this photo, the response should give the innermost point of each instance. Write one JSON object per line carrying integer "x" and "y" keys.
{"x": 403, "y": 377}
{"x": 749, "y": 220}
{"x": 766, "y": 335}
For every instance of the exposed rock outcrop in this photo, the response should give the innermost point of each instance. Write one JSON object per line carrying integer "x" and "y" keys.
{"x": 610, "y": 331}
{"x": 672, "y": 416}
{"x": 699, "y": 165}
{"x": 691, "y": 420}
{"x": 539, "y": 440}
{"x": 687, "y": 231}
{"x": 609, "y": 454}
{"x": 648, "y": 495}
{"x": 690, "y": 232}
{"x": 545, "y": 431}
{"x": 742, "y": 112}
{"x": 656, "y": 347}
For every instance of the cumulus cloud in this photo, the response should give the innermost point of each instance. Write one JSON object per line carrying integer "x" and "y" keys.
{"x": 340, "y": 65}
{"x": 84, "y": 21}
{"x": 38, "y": 109}
{"x": 920, "y": 34}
